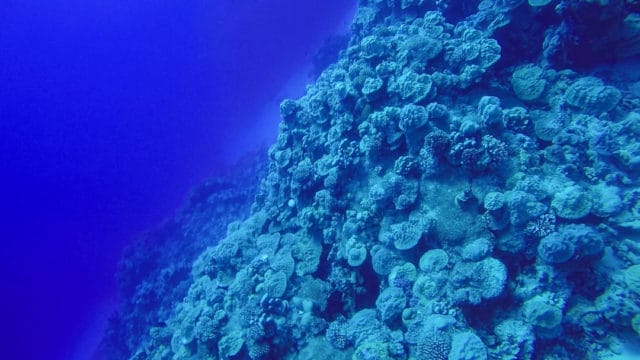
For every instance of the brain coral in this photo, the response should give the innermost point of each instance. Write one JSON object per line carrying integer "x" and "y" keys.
{"x": 275, "y": 283}
{"x": 606, "y": 200}
{"x": 476, "y": 281}
{"x": 572, "y": 203}
{"x": 546, "y": 124}
{"x": 523, "y": 207}
{"x": 578, "y": 242}
{"x": 477, "y": 249}
{"x": 429, "y": 286}
{"x": 413, "y": 117}
{"x": 390, "y": 303}
{"x": 528, "y": 82}
{"x": 283, "y": 261}
{"x": 412, "y": 87}
{"x": 434, "y": 260}
{"x": 384, "y": 260}
{"x": 590, "y": 95}
{"x": 419, "y": 49}
{"x": 555, "y": 249}
{"x": 364, "y": 325}
{"x": 541, "y": 312}
{"x": 403, "y": 276}
{"x": 406, "y": 235}
{"x": 467, "y": 346}
{"x": 372, "y": 87}
{"x": 494, "y": 201}
{"x": 230, "y": 344}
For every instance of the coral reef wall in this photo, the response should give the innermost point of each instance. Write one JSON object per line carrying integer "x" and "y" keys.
{"x": 461, "y": 184}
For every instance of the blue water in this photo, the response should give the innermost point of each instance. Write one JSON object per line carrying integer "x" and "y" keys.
{"x": 110, "y": 112}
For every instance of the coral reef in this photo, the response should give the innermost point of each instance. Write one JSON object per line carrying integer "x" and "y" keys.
{"x": 452, "y": 187}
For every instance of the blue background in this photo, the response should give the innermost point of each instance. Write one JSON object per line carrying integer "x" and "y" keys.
{"x": 110, "y": 111}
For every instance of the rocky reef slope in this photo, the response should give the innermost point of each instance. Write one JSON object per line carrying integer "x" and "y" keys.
{"x": 461, "y": 184}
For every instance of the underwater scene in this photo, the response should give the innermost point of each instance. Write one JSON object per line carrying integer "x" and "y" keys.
{"x": 461, "y": 183}
{"x": 457, "y": 181}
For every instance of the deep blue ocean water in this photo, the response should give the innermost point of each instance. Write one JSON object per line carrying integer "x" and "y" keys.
{"x": 110, "y": 112}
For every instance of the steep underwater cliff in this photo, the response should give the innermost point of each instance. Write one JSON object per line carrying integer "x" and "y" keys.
{"x": 461, "y": 184}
